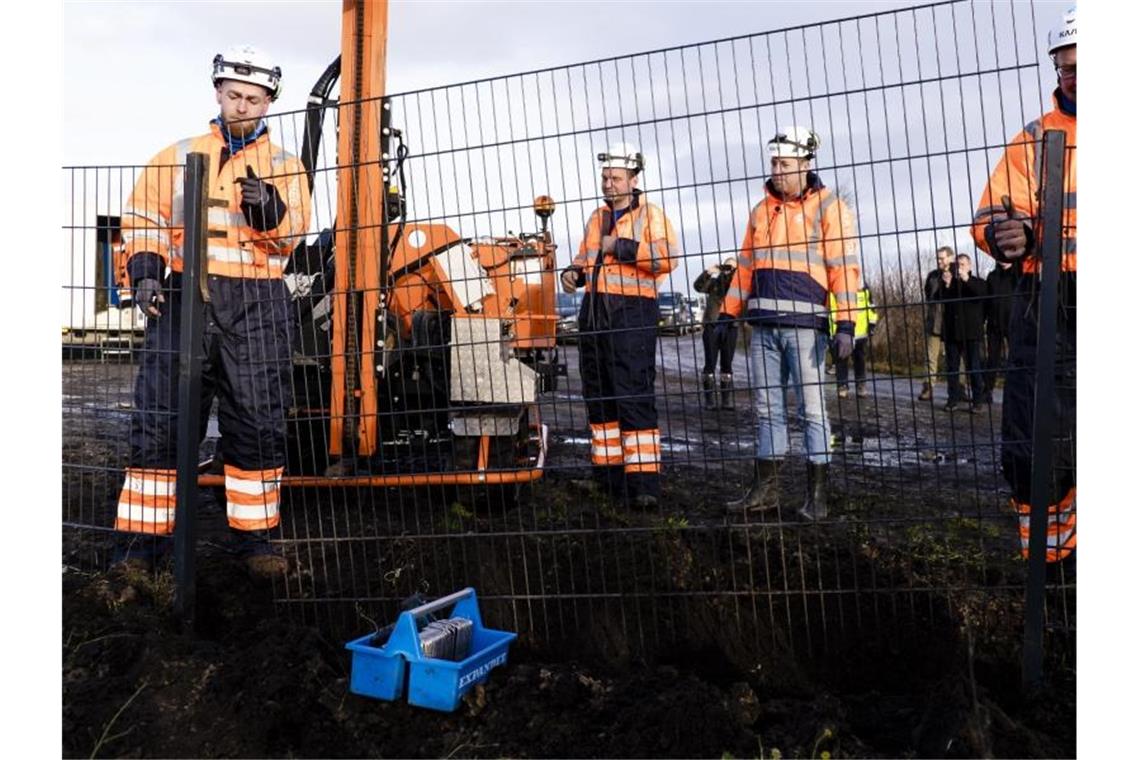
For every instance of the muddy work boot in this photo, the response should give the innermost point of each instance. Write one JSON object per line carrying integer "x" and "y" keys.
{"x": 708, "y": 387}
{"x": 263, "y": 560}
{"x": 139, "y": 553}
{"x": 927, "y": 392}
{"x": 764, "y": 491}
{"x": 815, "y": 504}
{"x": 726, "y": 395}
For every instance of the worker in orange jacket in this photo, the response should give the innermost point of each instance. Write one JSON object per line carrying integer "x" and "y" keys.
{"x": 1007, "y": 226}
{"x": 257, "y": 212}
{"x": 628, "y": 246}
{"x": 799, "y": 247}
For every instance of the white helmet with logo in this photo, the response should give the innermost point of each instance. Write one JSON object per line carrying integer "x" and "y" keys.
{"x": 622, "y": 156}
{"x": 245, "y": 63}
{"x": 794, "y": 142}
{"x": 1065, "y": 33}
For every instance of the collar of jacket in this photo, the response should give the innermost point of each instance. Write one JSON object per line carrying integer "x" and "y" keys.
{"x": 814, "y": 185}
{"x": 237, "y": 143}
{"x": 632, "y": 205}
{"x": 1064, "y": 105}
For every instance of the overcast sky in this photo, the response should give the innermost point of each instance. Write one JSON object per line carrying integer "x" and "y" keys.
{"x": 136, "y": 75}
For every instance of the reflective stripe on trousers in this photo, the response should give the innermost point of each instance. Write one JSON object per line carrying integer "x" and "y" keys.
{"x": 147, "y": 501}
{"x": 605, "y": 444}
{"x": 1060, "y": 531}
{"x": 253, "y": 497}
{"x": 641, "y": 450}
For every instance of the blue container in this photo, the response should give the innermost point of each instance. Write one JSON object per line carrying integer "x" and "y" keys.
{"x": 437, "y": 684}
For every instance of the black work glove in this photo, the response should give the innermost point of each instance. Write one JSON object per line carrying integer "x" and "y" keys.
{"x": 148, "y": 295}
{"x": 843, "y": 344}
{"x": 260, "y": 202}
{"x": 255, "y": 191}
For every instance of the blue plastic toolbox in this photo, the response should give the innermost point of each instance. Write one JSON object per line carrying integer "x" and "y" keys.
{"x": 439, "y": 684}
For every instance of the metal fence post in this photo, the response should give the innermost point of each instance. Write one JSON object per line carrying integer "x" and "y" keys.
{"x": 1052, "y": 218}
{"x": 190, "y": 385}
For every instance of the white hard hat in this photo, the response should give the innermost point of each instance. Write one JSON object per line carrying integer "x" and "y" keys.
{"x": 794, "y": 142}
{"x": 245, "y": 63}
{"x": 622, "y": 156}
{"x": 1065, "y": 33}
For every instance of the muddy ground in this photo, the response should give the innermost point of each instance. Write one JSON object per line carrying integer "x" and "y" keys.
{"x": 892, "y": 630}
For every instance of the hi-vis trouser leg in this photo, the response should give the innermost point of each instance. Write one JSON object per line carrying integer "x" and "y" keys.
{"x": 1017, "y": 416}
{"x": 617, "y": 353}
{"x": 246, "y": 365}
{"x": 1060, "y": 531}
{"x": 146, "y": 503}
{"x": 605, "y": 444}
{"x": 601, "y": 408}
{"x": 253, "y": 498}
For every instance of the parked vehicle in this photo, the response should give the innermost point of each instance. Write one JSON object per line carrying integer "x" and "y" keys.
{"x": 567, "y": 306}
{"x": 674, "y": 315}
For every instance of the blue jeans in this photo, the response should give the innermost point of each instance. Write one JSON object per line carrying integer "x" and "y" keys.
{"x": 781, "y": 358}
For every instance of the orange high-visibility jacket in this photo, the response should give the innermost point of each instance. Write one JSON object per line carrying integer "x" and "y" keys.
{"x": 152, "y": 219}
{"x": 628, "y": 271}
{"x": 794, "y": 253}
{"x": 1018, "y": 175}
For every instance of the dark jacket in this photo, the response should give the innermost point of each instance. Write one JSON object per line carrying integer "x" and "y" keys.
{"x": 964, "y": 309}
{"x": 999, "y": 287}
{"x": 933, "y": 306}
{"x": 714, "y": 287}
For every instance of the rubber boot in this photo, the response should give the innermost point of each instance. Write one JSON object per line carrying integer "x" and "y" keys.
{"x": 763, "y": 492}
{"x": 815, "y": 504}
{"x": 708, "y": 383}
{"x": 726, "y": 395}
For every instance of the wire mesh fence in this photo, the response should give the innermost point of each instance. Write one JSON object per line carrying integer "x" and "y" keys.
{"x": 417, "y": 397}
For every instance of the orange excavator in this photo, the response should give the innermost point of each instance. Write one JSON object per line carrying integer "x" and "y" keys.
{"x": 423, "y": 362}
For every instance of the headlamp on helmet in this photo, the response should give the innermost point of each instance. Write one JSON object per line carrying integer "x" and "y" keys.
{"x": 794, "y": 142}
{"x": 622, "y": 156}
{"x": 246, "y": 63}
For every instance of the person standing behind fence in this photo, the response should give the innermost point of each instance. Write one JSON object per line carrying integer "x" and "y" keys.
{"x": 719, "y": 333}
{"x": 627, "y": 246}
{"x": 963, "y": 299}
{"x": 866, "y": 320}
{"x": 257, "y": 210}
{"x": 1007, "y": 226}
{"x": 933, "y": 322}
{"x": 999, "y": 291}
{"x": 799, "y": 246}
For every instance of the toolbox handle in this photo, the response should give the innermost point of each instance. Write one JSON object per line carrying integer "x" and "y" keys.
{"x": 443, "y": 601}
{"x": 406, "y": 639}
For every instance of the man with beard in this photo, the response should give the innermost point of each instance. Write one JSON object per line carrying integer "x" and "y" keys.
{"x": 257, "y": 211}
